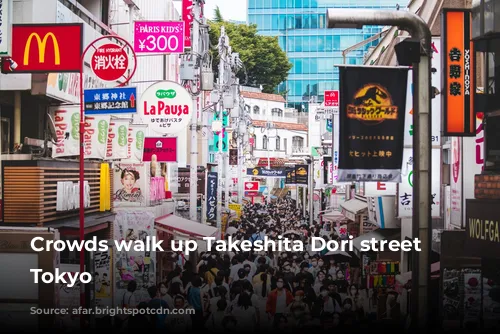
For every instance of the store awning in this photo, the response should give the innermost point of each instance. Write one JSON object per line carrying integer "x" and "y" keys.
{"x": 93, "y": 223}
{"x": 405, "y": 278}
{"x": 379, "y": 235}
{"x": 353, "y": 207}
{"x": 173, "y": 224}
{"x": 333, "y": 216}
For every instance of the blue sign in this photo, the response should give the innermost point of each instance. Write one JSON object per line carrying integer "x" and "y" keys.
{"x": 329, "y": 126}
{"x": 105, "y": 101}
{"x": 225, "y": 141}
{"x": 211, "y": 196}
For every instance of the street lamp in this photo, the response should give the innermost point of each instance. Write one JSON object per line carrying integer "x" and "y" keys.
{"x": 419, "y": 30}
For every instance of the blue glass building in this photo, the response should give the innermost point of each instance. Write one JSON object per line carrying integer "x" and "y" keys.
{"x": 313, "y": 50}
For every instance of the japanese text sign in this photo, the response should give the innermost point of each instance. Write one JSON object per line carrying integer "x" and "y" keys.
{"x": 331, "y": 98}
{"x": 225, "y": 137}
{"x": 109, "y": 62}
{"x": 161, "y": 149}
{"x": 372, "y": 118}
{"x": 166, "y": 107}
{"x": 212, "y": 196}
{"x": 159, "y": 36}
{"x": 47, "y": 47}
{"x": 120, "y": 100}
{"x": 187, "y": 17}
{"x": 252, "y": 186}
{"x": 264, "y": 172}
{"x": 458, "y": 73}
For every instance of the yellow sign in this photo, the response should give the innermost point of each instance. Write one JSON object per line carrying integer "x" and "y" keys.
{"x": 42, "y": 43}
{"x": 236, "y": 208}
{"x": 372, "y": 103}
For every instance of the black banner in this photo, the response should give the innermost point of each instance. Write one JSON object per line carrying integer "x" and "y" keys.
{"x": 264, "y": 172}
{"x": 302, "y": 174}
{"x": 372, "y": 118}
{"x": 233, "y": 157}
{"x": 326, "y": 160}
{"x": 212, "y": 196}
{"x": 290, "y": 175}
{"x": 184, "y": 180}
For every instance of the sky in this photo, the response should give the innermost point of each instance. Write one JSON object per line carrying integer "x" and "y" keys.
{"x": 230, "y": 9}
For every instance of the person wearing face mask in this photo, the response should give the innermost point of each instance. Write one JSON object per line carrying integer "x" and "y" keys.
{"x": 249, "y": 261}
{"x": 277, "y": 301}
{"x": 287, "y": 272}
{"x": 314, "y": 267}
{"x": 327, "y": 307}
{"x": 348, "y": 316}
{"x": 320, "y": 279}
{"x": 333, "y": 268}
{"x": 298, "y": 310}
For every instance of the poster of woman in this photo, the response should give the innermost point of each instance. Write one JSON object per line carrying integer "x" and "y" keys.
{"x": 130, "y": 184}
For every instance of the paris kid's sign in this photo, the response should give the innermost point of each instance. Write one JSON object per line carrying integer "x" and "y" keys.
{"x": 166, "y": 107}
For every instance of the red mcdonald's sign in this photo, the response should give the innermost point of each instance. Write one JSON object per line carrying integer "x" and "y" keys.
{"x": 46, "y": 48}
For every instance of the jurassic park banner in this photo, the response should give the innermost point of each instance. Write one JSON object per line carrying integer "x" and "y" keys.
{"x": 372, "y": 113}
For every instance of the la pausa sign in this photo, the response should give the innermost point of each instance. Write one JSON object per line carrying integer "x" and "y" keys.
{"x": 167, "y": 107}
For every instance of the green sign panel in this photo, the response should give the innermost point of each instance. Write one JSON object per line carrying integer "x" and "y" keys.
{"x": 225, "y": 141}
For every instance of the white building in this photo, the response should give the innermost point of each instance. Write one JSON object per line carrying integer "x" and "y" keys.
{"x": 277, "y": 132}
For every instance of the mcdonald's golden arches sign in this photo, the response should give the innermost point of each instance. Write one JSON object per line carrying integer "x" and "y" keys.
{"x": 47, "y": 47}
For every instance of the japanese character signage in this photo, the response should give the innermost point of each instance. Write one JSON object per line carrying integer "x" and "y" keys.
{"x": 166, "y": 107}
{"x": 109, "y": 62}
{"x": 302, "y": 174}
{"x": 264, "y": 172}
{"x": 46, "y": 48}
{"x": 225, "y": 137}
{"x": 184, "y": 180}
{"x": 372, "y": 116}
{"x": 458, "y": 73}
{"x": 405, "y": 193}
{"x": 161, "y": 149}
{"x": 136, "y": 137}
{"x": 331, "y": 98}
{"x": 5, "y": 27}
{"x": 159, "y": 36}
{"x": 212, "y": 183}
{"x": 187, "y": 17}
{"x": 118, "y": 143}
{"x": 120, "y": 100}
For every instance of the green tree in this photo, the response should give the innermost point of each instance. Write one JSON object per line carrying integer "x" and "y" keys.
{"x": 265, "y": 62}
{"x": 218, "y": 15}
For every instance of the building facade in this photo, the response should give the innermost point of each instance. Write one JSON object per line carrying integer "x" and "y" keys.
{"x": 300, "y": 26}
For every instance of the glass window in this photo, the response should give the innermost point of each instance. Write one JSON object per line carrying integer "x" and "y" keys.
{"x": 306, "y": 3}
{"x": 306, "y": 64}
{"x": 298, "y": 21}
{"x": 281, "y": 42}
{"x": 251, "y": 4}
{"x": 275, "y": 3}
{"x": 314, "y": 21}
{"x": 264, "y": 142}
{"x": 275, "y": 22}
{"x": 290, "y": 44}
{"x": 256, "y": 110}
{"x": 313, "y": 67}
{"x": 329, "y": 43}
{"x": 290, "y": 3}
{"x": 297, "y": 88}
{"x": 282, "y": 20}
{"x": 252, "y": 19}
{"x": 290, "y": 21}
{"x": 267, "y": 22}
{"x": 298, "y": 65}
{"x": 313, "y": 43}
{"x": 298, "y": 4}
{"x": 259, "y": 3}
{"x": 336, "y": 43}
{"x": 306, "y": 47}
{"x": 321, "y": 43}
{"x": 266, "y": 4}
{"x": 306, "y": 21}
{"x": 282, "y": 3}
{"x": 278, "y": 143}
{"x": 299, "y": 47}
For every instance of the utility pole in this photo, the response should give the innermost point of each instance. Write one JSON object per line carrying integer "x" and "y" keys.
{"x": 421, "y": 224}
{"x": 241, "y": 129}
{"x": 193, "y": 165}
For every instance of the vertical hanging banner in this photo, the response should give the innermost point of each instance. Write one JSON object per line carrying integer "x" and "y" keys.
{"x": 119, "y": 142}
{"x": 233, "y": 157}
{"x": 290, "y": 176}
{"x": 225, "y": 137}
{"x": 327, "y": 176}
{"x": 212, "y": 196}
{"x": 96, "y": 136}
{"x": 67, "y": 124}
{"x": 372, "y": 112}
{"x": 302, "y": 174}
{"x": 136, "y": 137}
{"x": 458, "y": 73}
{"x": 187, "y": 17}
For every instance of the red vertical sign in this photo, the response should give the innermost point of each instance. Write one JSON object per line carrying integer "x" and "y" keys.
{"x": 331, "y": 98}
{"x": 187, "y": 17}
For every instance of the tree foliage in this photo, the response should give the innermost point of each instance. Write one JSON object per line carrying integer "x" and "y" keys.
{"x": 265, "y": 62}
{"x": 218, "y": 15}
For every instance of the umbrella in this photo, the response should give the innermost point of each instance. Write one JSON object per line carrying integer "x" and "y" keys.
{"x": 339, "y": 256}
{"x": 292, "y": 232}
{"x": 231, "y": 230}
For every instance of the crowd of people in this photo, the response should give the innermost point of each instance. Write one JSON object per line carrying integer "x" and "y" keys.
{"x": 265, "y": 291}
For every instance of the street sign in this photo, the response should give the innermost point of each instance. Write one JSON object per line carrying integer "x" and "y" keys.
{"x": 109, "y": 62}
{"x": 187, "y": 16}
{"x": 331, "y": 98}
{"x": 104, "y": 101}
{"x": 225, "y": 141}
{"x": 166, "y": 107}
{"x": 251, "y": 193}
{"x": 159, "y": 36}
{"x": 252, "y": 186}
{"x": 165, "y": 149}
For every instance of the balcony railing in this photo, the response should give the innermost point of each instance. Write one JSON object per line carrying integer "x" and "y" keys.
{"x": 299, "y": 149}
